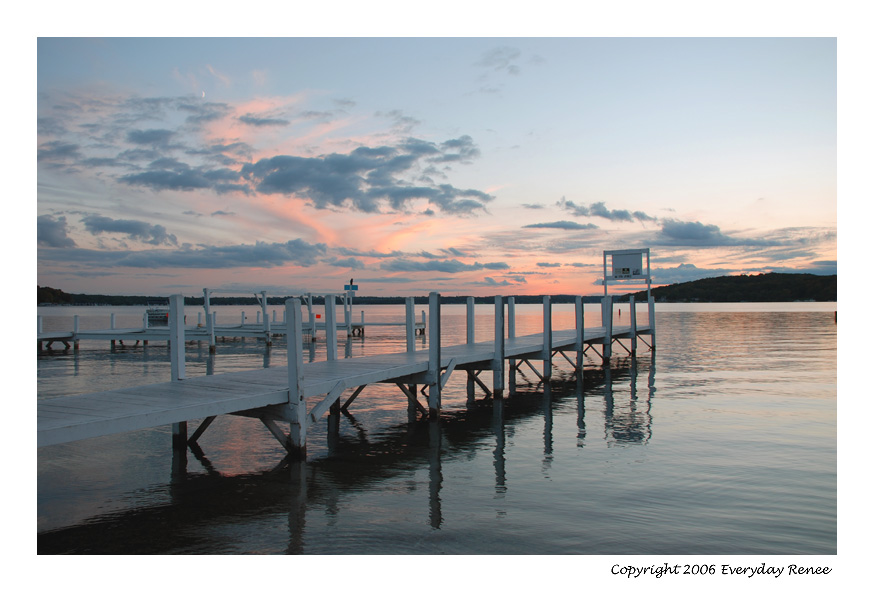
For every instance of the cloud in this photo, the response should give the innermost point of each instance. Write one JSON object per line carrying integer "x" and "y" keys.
{"x": 56, "y": 151}
{"x": 52, "y": 232}
{"x": 170, "y": 174}
{"x": 548, "y": 265}
{"x": 259, "y": 255}
{"x": 369, "y": 177}
{"x": 253, "y": 120}
{"x": 600, "y": 210}
{"x": 452, "y": 266}
{"x": 561, "y": 224}
{"x": 350, "y": 262}
{"x": 134, "y": 229}
{"x": 156, "y": 138}
{"x": 500, "y": 59}
{"x": 687, "y": 273}
{"x": 679, "y": 233}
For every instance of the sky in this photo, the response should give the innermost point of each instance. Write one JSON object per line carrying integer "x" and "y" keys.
{"x": 463, "y": 165}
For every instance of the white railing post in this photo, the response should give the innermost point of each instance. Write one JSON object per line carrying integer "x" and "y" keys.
{"x": 265, "y": 317}
{"x": 634, "y": 327}
{"x": 434, "y": 356}
{"x": 297, "y": 409}
{"x": 469, "y": 320}
{"x": 312, "y": 316}
{"x": 547, "y": 349}
{"x": 651, "y": 313}
{"x": 608, "y": 322}
{"x": 410, "y": 324}
{"x": 578, "y": 334}
{"x": 331, "y": 326}
{"x": 76, "y": 332}
{"x": 498, "y": 355}
{"x": 511, "y": 317}
{"x": 177, "y": 360}
{"x": 210, "y": 320}
{"x": 112, "y": 321}
{"x": 347, "y": 312}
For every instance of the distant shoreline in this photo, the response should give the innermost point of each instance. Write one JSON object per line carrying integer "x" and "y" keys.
{"x": 764, "y": 288}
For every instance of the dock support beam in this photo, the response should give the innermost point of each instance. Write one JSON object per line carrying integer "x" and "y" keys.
{"x": 469, "y": 339}
{"x": 651, "y": 320}
{"x": 512, "y": 366}
{"x": 297, "y": 409}
{"x": 177, "y": 362}
{"x": 434, "y": 356}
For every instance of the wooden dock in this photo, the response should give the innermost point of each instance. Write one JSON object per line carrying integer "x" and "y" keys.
{"x": 300, "y": 394}
{"x": 208, "y": 330}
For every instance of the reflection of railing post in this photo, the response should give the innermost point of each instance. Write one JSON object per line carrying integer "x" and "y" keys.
{"x": 434, "y": 356}
{"x": 177, "y": 361}
{"x": 498, "y": 356}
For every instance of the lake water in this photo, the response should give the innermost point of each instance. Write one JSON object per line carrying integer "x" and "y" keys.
{"x": 721, "y": 442}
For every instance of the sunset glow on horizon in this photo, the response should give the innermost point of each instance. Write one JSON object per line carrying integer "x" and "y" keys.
{"x": 468, "y": 166}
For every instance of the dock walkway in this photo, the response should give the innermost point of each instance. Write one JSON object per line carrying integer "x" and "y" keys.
{"x": 283, "y": 393}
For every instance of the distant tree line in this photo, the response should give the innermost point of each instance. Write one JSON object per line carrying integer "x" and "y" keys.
{"x": 773, "y": 287}
{"x": 758, "y": 288}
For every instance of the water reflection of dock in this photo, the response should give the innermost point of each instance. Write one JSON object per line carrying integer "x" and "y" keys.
{"x": 361, "y": 462}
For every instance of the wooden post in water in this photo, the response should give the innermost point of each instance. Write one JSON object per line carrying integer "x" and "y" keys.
{"x": 547, "y": 350}
{"x": 578, "y": 326}
{"x": 112, "y": 326}
{"x": 75, "y": 332}
{"x": 608, "y": 322}
{"x": 266, "y": 319}
{"x": 297, "y": 409}
{"x": 651, "y": 314}
{"x": 211, "y": 321}
{"x": 331, "y": 326}
{"x": 410, "y": 335}
{"x": 470, "y": 337}
{"x": 511, "y": 333}
{"x": 634, "y": 327}
{"x": 498, "y": 356}
{"x": 331, "y": 339}
{"x": 410, "y": 324}
{"x": 312, "y": 316}
{"x": 177, "y": 361}
{"x": 434, "y": 356}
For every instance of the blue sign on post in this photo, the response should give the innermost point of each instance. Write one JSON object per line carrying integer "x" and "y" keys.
{"x": 351, "y": 287}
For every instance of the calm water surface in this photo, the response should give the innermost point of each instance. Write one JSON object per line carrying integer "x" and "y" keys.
{"x": 723, "y": 441}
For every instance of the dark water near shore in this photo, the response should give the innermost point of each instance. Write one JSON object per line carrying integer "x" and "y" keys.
{"x": 723, "y": 441}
